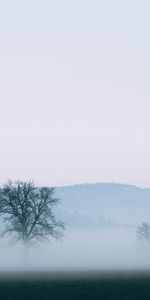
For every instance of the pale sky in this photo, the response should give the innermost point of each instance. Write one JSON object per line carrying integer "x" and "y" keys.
{"x": 75, "y": 91}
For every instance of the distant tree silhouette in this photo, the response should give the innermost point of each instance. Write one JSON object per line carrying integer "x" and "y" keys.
{"x": 27, "y": 212}
{"x": 143, "y": 232}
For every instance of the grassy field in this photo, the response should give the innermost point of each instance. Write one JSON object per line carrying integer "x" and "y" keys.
{"x": 75, "y": 286}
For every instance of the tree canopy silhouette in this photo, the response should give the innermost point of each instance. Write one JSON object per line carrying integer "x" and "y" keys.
{"x": 27, "y": 212}
{"x": 143, "y": 232}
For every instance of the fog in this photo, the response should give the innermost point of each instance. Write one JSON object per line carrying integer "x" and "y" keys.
{"x": 74, "y": 109}
{"x": 81, "y": 249}
{"x": 100, "y": 233}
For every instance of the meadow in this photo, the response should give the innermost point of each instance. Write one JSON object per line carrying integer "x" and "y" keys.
{"x": 75, "y": 285}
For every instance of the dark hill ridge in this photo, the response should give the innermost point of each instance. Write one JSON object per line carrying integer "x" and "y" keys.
{"x": 119, "y": 202}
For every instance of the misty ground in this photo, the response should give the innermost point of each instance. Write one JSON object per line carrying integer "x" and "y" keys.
{"x": 82, "y": 249}
{"x": 78, "y": 267}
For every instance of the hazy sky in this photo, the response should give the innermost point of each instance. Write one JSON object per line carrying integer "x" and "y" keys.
{"x": 75, "y": 91}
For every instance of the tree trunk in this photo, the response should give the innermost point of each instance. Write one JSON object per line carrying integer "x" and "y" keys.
{"x": 26, "y": 254}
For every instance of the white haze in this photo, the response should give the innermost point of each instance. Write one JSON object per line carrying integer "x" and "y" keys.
{"x": 83, "y": 249}
{"x": 75, "y": 108}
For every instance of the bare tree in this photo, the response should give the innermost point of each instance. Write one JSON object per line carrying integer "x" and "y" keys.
{"x": 143, "y": 232}
{"x": 27, "y": 212}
